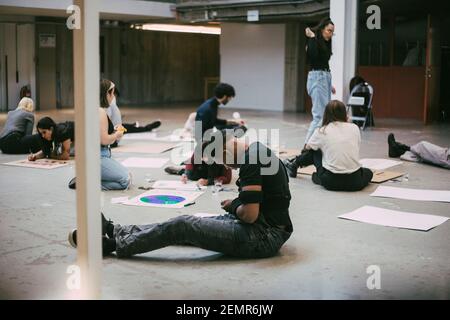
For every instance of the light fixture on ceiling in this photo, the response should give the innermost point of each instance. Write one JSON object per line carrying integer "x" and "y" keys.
{"x": 181, "y": 28}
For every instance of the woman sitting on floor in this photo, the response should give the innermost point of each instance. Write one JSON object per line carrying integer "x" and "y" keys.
{"x": 17, "y": 137}
{"x": 113, "y": 174}
{"x": 57, "y": 140}
{"x": 334, "y": 151}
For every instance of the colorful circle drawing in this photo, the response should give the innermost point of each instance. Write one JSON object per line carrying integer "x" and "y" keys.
{"x": 162, "y": 199}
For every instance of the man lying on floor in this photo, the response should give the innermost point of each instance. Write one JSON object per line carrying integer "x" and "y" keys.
{"x": 420, "y": 152}
{"x": 256, "y": 224}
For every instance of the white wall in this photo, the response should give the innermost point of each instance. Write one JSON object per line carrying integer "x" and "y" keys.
{"x": 253, "y": 61}
{"x": 343, "y": 61}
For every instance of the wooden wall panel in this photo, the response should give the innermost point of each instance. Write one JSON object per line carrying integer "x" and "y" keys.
{"x": 399, "y": 91}
{"x": 148, "y": 67}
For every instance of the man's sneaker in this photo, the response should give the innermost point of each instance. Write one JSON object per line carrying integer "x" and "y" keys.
{"x": 395, "y": 149}
{"x": 73, "y": 238}
{"x": 176, "y": 170}
{"x": 153, "y": 125}
{"x": 108, "y": 244}
{"x": 107, "y": 227}
{"x": 291, "y": 168}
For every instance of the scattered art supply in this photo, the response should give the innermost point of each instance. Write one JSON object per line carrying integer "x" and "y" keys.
{"x": 412, "y": 194}
{"x": 145, "y": 162}
{"x": 379, "y": 164}
{"x": 394, "y": 218}
{"x": 174, "y": 199}
{"x": 162, "y": 199}
{"x": 177, "y": 185}
{"x": 309, "y": 170}
{"x": 119, "y": 200}
{"x": 40, "y": 164}
{"x": 383, "y": 176}
{"x": 151, "y": 148}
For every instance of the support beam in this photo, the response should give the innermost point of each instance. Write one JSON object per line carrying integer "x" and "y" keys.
{"x": 86, "y": 89}
{"x": 344, "y": 14}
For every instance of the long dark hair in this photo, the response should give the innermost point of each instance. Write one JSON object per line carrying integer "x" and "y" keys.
{"x": 334, "y": 111}
{"x": 47, "y": 123}
{"x": 325, "y": 46}
{"x": 105, "y": 84}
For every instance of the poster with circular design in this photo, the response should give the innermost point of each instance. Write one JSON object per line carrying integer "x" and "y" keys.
{"x": 162, "y": 199}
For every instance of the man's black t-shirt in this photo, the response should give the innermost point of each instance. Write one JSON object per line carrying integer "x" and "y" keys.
{"x": 262, "y": 167}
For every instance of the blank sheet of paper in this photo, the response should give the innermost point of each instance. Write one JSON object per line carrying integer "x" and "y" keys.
{"x": 393, "y": 218}
{"x": 177, "y": 185}
{"x": 412, "y": 194}
{"x": 379, "y": 164}
{"x": 149, "y": 147}
{"x": 144, "y": 162}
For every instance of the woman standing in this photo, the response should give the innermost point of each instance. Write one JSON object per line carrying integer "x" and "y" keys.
{"x": 319, "y": 86}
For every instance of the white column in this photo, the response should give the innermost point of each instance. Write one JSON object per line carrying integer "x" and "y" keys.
{"x": 86, "y": 87}
{"x": 344, "y": 14}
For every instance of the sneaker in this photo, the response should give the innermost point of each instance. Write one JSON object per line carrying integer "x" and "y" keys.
{"x": 108, "y": 244}
{"x": 291, "y": 168}
{"x": 73, "y": 183}
{"x": 395, "y": 149}
{"x": 174, "y": 170}
{"x": 73, "y": 238}
{"x": 107, "y": 227}
{"x": 153, "y": 125}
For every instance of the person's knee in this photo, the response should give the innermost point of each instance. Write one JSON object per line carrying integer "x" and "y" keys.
{"x": 125, "y": 181}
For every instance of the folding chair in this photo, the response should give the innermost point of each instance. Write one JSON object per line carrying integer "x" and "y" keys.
{"x": 361, "y": 98}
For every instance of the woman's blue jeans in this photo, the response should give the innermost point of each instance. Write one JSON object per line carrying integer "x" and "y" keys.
{"x": 319, "y": 89}
{"x": 114, "y": 175}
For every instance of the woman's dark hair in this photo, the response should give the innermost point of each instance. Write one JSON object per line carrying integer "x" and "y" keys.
{"x": 47, "y": 123}
{"x": 323, "y": 45}
{"x": 224, "y": 89}
{"x": 355, "y": 81}
{"x": 105, "y": 86}
{"x": 334, "y": 111}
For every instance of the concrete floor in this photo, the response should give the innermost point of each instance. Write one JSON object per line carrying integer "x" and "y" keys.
{"x": 326, "y": 257}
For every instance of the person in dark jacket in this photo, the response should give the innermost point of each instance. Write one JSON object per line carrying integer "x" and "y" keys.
{"x": 207, "y": 112}
{"x": 17, "y": 137}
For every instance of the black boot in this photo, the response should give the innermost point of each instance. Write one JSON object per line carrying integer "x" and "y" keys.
{"x": 396, "y": 149}
{"x": 303, "y": 160}
{"x": 175, "y": 170}
{"x": 153, "y": 125}
{"x": 291, "y": 168}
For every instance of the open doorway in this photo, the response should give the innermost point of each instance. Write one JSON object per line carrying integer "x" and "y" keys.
{"x": 445, "y": 74}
